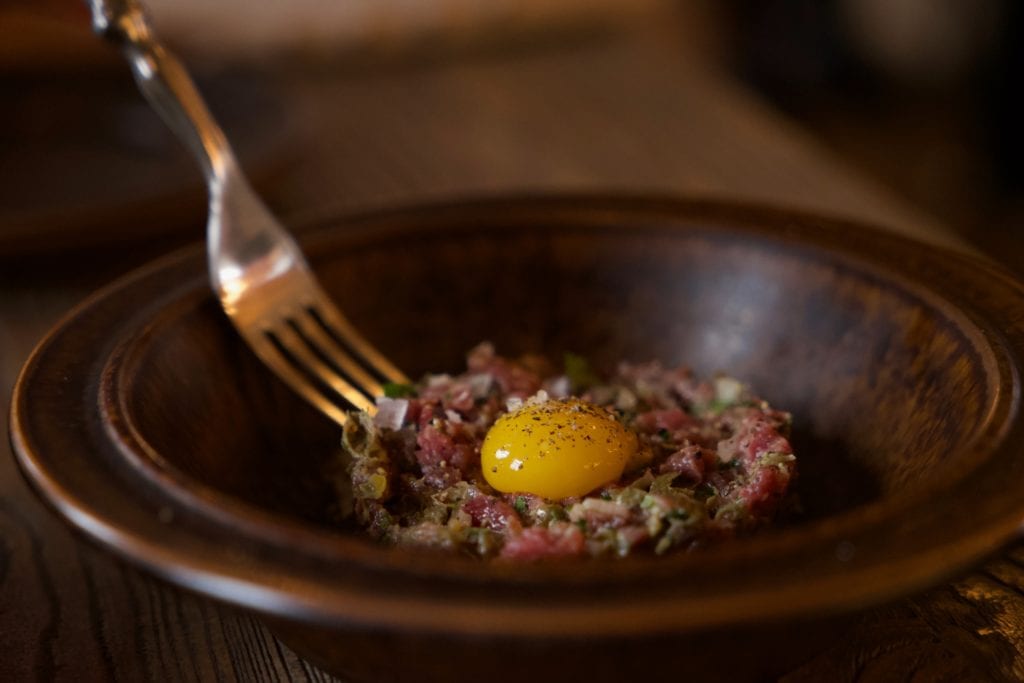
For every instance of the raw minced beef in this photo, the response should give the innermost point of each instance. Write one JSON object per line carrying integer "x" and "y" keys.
{"x": 714, "y": 462}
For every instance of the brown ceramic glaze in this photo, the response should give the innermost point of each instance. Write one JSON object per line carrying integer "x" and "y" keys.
{"x": 150, "y": 427}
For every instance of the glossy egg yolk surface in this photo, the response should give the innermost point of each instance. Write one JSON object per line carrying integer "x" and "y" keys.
{"x": 556, "y": 449}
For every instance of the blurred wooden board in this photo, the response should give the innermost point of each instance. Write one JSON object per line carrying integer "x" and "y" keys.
{"x": 635, "y": 114}
{"x": 85, "y": 161}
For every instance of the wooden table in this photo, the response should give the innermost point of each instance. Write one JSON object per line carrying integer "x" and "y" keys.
{"x": 624, "y": 112}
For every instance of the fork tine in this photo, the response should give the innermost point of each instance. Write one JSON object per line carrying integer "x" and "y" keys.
{"x": 323, "y": 342}
{"x": 305, "y": 357}
{"x": 284, "y": 369}
{"x": 339, "y": 327}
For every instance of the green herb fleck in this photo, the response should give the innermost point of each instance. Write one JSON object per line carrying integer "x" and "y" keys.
{"x": 664, "y": 434}
{"x": 396, "y": 390}
{"x": 716, "y": 406}
{"x": 663, "y": 483}
{"x": 578, "y": 370}
{"x": 520, "y": 505}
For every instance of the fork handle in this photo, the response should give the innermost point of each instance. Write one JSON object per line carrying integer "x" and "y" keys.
{"x": 165, "y": 83}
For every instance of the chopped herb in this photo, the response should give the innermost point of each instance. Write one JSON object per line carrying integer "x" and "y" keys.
{"x": 775, "y": 459}
{"x": 705, "y": 491}
{"x": 578, "y": 370}
{"x": 732, "y": 511}
{"x": 397, "y": 390}
{"x": 643, "y": 481}
{"x": 630, "y": 497}
{"x": 716, "y": 406}
{"x": 401, "y": 501}
{"x": 664, "y": 544}
{"x": 663, "y": 482}
{"x": 481, "y": 540}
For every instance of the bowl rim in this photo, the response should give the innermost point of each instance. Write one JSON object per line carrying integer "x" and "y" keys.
{"x": 183, "y": 541}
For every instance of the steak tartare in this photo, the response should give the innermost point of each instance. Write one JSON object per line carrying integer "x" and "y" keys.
{"x": 522, "y": 461}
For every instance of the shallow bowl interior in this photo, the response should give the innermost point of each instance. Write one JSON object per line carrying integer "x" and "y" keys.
{"x": 888, "y": 383}
{"x": 147, "y": 423}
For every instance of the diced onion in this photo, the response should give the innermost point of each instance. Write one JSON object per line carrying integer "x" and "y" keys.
{"x": 625, "y": 399}
{"x": 559, "y": 387}
{"x": 390, "y": 412}
{"x": 727, "y": 390}
{"x": 480, "y": 384}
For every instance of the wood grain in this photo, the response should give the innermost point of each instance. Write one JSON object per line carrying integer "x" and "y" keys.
{"x": 71, "y": 613}
{"x": 641, "y": 118}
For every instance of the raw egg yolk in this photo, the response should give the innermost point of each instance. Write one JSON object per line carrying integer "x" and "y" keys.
{"x": 556, "y": 449}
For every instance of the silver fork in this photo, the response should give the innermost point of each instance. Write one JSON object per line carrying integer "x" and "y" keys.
{"x": 257, "y": 270}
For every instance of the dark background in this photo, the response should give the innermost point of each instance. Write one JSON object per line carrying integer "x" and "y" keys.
{"x": 925, "y": 96}
{"x": 922, "y": 96}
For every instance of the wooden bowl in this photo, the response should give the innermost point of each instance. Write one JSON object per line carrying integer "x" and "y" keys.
{"x": 149, "y": 427}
